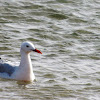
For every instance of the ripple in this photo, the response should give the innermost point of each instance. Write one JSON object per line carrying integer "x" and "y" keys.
{"x": 58, "y": 16}
{"x": 4, "y": 48}
{"x": 49, "y": 76}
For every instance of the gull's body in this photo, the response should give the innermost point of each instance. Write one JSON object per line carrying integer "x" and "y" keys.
{"x": 25, "y": 70}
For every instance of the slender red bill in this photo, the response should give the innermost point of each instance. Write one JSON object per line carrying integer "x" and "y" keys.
{"x": 38, "y": 51}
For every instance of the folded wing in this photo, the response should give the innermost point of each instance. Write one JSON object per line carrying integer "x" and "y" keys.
{"x": 6, "y": 68}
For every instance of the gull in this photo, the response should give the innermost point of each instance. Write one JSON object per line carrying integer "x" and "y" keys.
{"x": 24, "y": 71}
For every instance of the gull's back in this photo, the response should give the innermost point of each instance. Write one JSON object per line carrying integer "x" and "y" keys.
{"x": 7, "y": 68}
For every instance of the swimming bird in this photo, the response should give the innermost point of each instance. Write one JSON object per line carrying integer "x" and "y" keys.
{"x": 24, "y": 71}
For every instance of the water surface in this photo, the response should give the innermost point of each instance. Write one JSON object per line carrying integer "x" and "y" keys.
{"x": 67, "y": 32}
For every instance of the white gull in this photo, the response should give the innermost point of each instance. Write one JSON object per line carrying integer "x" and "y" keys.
{"x": 24, "y": 71}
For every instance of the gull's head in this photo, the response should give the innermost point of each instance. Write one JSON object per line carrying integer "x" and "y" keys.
{"x": 28, "y": 47}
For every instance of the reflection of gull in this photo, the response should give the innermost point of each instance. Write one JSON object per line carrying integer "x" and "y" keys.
{"x": 24, "y": 71}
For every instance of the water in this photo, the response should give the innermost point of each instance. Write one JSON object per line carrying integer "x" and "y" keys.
{"x": 67, "y": 33}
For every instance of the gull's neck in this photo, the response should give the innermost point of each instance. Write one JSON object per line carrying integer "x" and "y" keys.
{"x": 25, "y": 60}
{"x": 25, "y": 66}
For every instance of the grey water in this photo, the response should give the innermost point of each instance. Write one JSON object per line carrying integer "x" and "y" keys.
{"x": 68, "y": 34}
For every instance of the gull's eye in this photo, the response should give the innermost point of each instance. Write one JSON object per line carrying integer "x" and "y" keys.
{"x": 27, "y": 46}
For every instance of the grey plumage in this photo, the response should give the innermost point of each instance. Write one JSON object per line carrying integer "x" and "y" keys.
{"x": 6, "y": 68}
